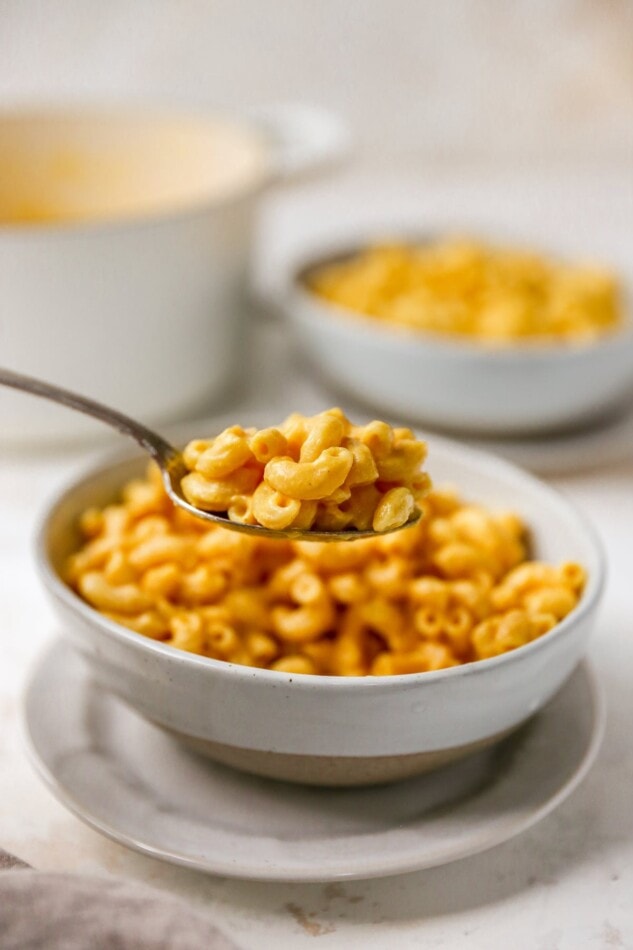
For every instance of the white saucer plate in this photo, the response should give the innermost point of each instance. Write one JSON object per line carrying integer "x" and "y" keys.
{"x": 607, "y": 442}
{"x": 133, "y": 783}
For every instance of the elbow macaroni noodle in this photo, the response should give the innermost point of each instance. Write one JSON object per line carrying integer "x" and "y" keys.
{"x": 467, "y": 288}
{"x": 454, "y": 588}
{"x": 320, "y": 472}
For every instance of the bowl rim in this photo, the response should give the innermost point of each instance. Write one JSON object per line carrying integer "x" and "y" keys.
{"x": 191, "y": 208}
{"x": 61, "y": 591}
{"x": 294, "y": 295}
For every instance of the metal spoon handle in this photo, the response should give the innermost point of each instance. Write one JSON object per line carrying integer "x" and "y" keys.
{"x": 153, "y": 443}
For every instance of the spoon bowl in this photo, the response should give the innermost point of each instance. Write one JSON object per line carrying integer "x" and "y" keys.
{"x": 171, "y": 463}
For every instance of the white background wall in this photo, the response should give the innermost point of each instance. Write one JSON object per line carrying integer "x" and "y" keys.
{"x": 458, "y": 80}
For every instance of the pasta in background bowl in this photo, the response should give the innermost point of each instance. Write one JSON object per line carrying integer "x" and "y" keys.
{"x": 327, "y": 729}
{"x": 489, "y": 294}
{"x": 476, "y": 342}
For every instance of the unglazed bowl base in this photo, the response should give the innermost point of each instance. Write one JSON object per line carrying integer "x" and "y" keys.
{"x": 333, "y": 771}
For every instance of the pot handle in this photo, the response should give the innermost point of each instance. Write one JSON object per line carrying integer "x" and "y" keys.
{"x": 303, "y": 139}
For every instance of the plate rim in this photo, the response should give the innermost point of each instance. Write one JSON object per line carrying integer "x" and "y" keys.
{"x": 280, "y": 873}
{"x": 567, "y": 454}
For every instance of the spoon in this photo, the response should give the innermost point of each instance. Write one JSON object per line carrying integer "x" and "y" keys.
{"x": 170, "y": 461}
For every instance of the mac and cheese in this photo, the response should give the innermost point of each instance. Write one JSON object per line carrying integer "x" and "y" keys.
{"x": 319, "y": 473}
{"x": 454, "y": 588}
{"x": 468, "y": 288}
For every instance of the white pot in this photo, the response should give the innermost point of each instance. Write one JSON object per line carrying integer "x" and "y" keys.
{"x": 132, "y": 292}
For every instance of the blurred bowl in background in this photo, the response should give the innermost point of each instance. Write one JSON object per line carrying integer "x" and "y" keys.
{"x": 124, "y": 243}
{"x": 451, "y": 382}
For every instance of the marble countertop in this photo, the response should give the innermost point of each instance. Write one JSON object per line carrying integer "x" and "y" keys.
{"x": 563, "y": 885}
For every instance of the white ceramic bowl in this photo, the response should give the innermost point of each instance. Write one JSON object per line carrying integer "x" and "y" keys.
{"x": 335, "y": 730}
{"x": 458, "y": 384}
{"x": 124, "y": 248}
